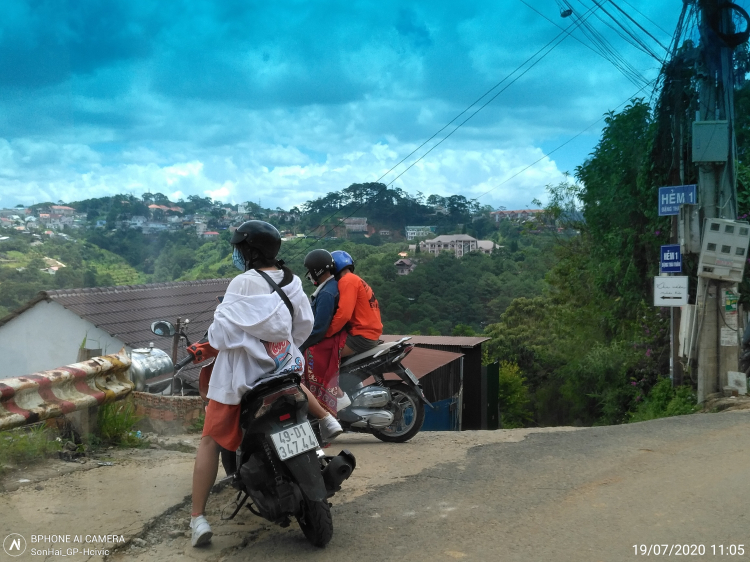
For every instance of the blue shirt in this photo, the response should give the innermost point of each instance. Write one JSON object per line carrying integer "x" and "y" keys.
{"x": 324, "y": 303}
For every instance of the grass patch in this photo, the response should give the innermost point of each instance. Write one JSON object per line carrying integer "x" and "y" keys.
{"x": 115, "y": 425}
{"x": 27, "y": 444}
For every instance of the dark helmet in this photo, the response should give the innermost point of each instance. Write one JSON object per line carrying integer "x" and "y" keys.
{"x": 317, "y": 263}
{"x": 342, "y": 259}
{"x": 257, "y": 241}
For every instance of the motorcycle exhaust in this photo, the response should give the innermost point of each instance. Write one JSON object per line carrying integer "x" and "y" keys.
{"x": 338, "y": 469}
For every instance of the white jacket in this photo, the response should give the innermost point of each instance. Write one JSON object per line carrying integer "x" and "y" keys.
{"x": 255, "y": 334}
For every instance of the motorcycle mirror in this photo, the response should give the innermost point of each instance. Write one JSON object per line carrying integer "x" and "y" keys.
{"x": 163, "y": 328}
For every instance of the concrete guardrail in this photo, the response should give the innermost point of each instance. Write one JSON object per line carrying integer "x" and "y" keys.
{"x": 48, "y": 394}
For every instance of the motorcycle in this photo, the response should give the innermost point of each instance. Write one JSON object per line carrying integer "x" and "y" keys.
{"x": 279, "y": 465}
{"x": 391, "y": 410}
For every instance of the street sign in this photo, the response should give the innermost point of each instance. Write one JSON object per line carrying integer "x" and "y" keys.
{"x": 671, "y": 260}
{"x": 670, "y": 291}
{"x": 670, "y": 198}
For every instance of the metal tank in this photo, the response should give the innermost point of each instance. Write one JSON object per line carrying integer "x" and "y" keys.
{"x": 149, "y": 363}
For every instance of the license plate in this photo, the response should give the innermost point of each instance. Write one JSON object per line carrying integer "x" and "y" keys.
{"x": 294, "y": 440}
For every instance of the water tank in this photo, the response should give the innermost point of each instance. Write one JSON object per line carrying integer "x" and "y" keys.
{"x": 148, "y": 363}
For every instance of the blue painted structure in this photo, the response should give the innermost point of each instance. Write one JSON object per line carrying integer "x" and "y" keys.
{"x": 442, "y": 417}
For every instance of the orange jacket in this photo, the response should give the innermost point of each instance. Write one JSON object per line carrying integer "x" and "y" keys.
{"x": 358, "y": 309}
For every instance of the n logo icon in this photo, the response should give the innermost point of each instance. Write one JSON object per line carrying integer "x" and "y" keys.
{"x": 14, "y": 545}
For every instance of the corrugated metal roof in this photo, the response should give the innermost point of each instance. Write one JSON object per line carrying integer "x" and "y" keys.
{"x": 462, "y": 341}
{"x": 422, "y": 361}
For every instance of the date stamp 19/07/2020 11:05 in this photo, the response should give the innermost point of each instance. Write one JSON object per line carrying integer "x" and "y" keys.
{"x": 689, "y": 549}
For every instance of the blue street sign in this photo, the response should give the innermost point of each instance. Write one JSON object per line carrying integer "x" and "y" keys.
{"x": 671, "y": 260}
{"x": 670, "y": 198}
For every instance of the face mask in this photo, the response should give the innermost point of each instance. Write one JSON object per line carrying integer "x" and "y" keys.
{"x": 309, "y": 277}
{"x": 238, "y": 260}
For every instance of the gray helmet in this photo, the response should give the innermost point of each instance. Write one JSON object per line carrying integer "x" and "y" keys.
{"x": 317, "y": 263}
{"x": 257, "y": 241}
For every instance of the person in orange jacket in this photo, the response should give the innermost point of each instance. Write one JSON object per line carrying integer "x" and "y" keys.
{"x": 358, "y": 311}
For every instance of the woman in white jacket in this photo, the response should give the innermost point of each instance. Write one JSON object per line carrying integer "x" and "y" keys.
{"x": 257, "y": 338}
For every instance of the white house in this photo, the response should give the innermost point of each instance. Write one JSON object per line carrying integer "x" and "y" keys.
{"x": 47, "y": 331}
{"x": 458, "y": 244}
{"x": 413, "y": 232}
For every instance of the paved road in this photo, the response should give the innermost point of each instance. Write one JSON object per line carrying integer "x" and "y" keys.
{"x": 585, "y": 495}
{"x": 557, "y": 495}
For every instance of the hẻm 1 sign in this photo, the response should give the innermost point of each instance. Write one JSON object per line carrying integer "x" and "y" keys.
{"x": 670, "y": 198}
{"x": 671, "y": 260}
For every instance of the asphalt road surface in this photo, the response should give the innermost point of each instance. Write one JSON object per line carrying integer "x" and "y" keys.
{"x": 674, "y": 487}
{"x": 595, "y": 494}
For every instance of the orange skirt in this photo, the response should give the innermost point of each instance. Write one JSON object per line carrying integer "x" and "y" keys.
{"x": 222, "y": 423}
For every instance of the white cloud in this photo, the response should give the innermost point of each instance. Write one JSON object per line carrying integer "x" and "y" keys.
{"x": 472, "y": 172}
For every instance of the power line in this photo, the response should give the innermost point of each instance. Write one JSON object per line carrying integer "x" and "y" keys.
{"x": 564, "y": 34}
{"x": 571, "y": 139}
{"x": 628, "y": 37}
{"x": 646, "y": 31}
{"x": 625, "y": 72}
{"x": 649, "y": 19}
{"x": 611, "y": 53}
{"x": 631, "y": 33}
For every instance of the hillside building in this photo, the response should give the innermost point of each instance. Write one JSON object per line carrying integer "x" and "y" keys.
{"x": 413, "y": 232}
{"x": 356, "y": 224}
{"x": 520, "y": 215}
{"x": 458, "y": 244}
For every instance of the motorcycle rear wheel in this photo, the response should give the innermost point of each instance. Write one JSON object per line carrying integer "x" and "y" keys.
{"x": 316, "y": 522}
{"x": 412, "y": 410}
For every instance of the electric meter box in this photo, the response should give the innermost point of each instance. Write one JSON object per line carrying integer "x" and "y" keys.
{"x": 710, "y": 141}
{"x": 724, "y": 250}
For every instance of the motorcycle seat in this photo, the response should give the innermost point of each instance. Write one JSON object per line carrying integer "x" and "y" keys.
{"x": 377, "y": 350}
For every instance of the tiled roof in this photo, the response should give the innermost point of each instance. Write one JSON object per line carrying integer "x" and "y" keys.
{"x": 126, "y": 312}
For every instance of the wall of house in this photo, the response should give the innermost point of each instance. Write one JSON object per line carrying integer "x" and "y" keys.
{"x": 48, "y": 336}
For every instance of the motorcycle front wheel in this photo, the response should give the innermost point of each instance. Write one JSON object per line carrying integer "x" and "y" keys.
{"x": 316, "y": 522}
{"x": 409, "y": 411}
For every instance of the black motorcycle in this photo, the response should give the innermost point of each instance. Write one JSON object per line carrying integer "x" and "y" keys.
{"x": 391, "y": 410}
{"x": 280, "y": 466}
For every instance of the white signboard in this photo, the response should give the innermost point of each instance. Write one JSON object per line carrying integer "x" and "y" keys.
{"x": 670, "y": 291}
{"x": 737, "y": 381}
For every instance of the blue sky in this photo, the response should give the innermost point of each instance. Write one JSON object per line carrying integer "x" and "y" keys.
{"x": 280, "y": 102}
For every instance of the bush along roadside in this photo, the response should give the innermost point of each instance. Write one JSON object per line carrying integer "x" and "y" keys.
{"x": 663, "y": 401}
{"x": 115, "y": 426}
{"x": 26, "y": 445}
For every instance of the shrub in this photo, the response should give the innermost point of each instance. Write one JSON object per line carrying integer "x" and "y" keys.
{"x": 196, "y": 426}
{"x": 27, "y": 444}
{"x": 115, "y": 423}
{"x": 513, "y": 397}
{"x": 663, "y": 401}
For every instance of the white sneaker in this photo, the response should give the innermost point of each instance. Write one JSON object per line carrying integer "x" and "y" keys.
{"x": 202, "y": 532}
{"x": 343, "y": 402}
{"x": 330, "y": 428}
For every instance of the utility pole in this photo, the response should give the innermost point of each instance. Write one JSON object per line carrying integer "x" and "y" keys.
{"x": 175, "y": 346}
{"x": 717, "y": 191}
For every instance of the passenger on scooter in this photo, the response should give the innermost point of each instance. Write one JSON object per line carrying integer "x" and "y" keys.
{"x": 257, "y": 337}
{"x": 323, "y": 355}
{"x": 358, "y": 311}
